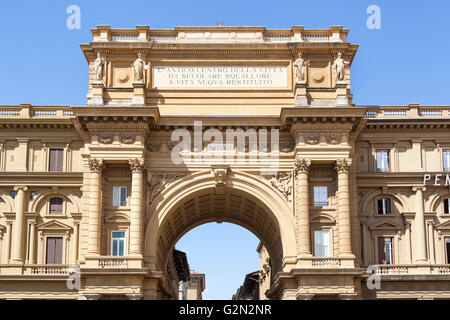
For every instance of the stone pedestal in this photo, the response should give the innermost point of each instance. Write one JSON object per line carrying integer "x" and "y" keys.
{"x": 97, "y": 93}
{"x": 341, "y": 93}
{"x": 138, "y": 94}
{"x": 300, "y": 94}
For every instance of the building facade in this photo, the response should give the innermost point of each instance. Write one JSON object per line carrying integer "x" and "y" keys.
{"x": 239, "y": 124}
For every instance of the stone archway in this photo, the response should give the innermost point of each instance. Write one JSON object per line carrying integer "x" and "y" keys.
{"x": 243, "y": 199}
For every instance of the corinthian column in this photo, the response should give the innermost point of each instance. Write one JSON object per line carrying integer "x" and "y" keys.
{"x": 95, "y": 206}
{"x": 302, "y": 207}
{"x": 137, "y": 168}
{"x": 17, "y": 252}
{"x": 419, "y": 221}
{"x": 342, "y": 168}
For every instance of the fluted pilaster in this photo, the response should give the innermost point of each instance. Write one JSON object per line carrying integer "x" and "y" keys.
{"x": 137, "y": 167}
{"x": 303, "y": 237}
{"x": 96, "y": 166}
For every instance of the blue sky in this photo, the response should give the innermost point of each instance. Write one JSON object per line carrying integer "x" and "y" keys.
{"x": 406, "y": 61}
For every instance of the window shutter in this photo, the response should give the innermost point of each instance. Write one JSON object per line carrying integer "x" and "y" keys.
{"x": 116, "y": 196}
{"x": 56, "y": 160}
{"x": 58, "y": 250}
{"x": 388, "y": 206}
{"x": 381, "y": 251}
{"x": 59, "y": 160}
{"x": 380, "y": 206}
{"x": 52, "y": 160}
{"x": 50, "y": 256}
{"x": 123, "y": 196}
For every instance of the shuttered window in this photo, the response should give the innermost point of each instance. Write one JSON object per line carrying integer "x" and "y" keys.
{"x": 385, "y": 250}
{"x": 384, "y": 206}
{"x": 56, "y": 205}
{"x": 56, "y": 160}
{"x": 119, "y": 196}
{"x": 54, "y": 250}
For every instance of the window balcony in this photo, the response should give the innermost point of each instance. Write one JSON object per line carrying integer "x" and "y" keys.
{"x": 36, "y": 269}
{"x": 411, "y": 269}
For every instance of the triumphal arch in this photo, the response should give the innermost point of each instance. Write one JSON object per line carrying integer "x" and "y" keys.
{"x": 238, "y": 124}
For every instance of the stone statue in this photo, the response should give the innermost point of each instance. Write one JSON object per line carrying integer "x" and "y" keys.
{"x": 98, "y": 67}
{"x": 300, "y": 68}
{"x": 339, "y": 68}
{"x": 139, "y": 67}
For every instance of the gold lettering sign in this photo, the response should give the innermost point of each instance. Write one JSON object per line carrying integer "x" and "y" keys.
{"x": 221, "y": 77}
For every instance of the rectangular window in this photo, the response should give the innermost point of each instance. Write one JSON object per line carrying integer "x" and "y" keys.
{"x": 447, "y": 205}
{"x": 383, "y": 161}
{"x": 447, "y": 250}
{"x": 385, "y": 250}
{"x": 56, "y": 205}
{"x": 446, "y": 159}
{"x": 322, "y": 243}
{"x": 384, "y": 206}
{"x": 56, "y": 160}
{"x": 320, "y": 196}
{"x": 118, "y": 243}
{"x": 54, "y": 250}
{"x": 119, "y": 196}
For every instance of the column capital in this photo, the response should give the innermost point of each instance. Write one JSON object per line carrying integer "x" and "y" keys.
{"x": 415, "y": 189}
{"x": 17, "y": 188}
{"x": 137, "y": 164}
{"x": 343, "y": 165}
{"x": 96, "y": 165}
{"x": 301, "y": 165}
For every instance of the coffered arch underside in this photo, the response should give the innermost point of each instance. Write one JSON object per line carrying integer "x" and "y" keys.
{"x": 245, "y": 200}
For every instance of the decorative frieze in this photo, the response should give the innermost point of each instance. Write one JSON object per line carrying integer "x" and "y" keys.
{"x": 127, "y": 138}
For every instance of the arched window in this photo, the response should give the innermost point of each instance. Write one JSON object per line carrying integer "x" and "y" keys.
{"x": 56, "y": 206}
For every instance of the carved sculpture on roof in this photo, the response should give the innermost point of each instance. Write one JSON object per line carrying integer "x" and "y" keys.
{"x": 339, "y": 68}
{"x": 139, "y": 67}
{"x": 300, "y": 68}
{"x": 98, "y": 67}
